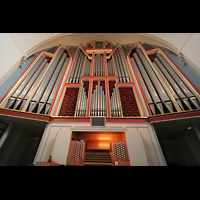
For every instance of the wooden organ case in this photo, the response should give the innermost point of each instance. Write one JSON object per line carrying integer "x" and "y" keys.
{"x": 100, "y": 81}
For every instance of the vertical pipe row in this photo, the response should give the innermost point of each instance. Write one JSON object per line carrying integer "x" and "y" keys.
{"x": 164, "y": 66}
{"x": 110, "y": 67}
{"x": 82, "y": 103}
{"x": 121, "y": 67}
{"x": 115, "y": 103}
{"x": 87, "y": 68}
{"x": 77, "y": 66}
{"x": 98, "y": 102}
{"x": 99, "y": 65}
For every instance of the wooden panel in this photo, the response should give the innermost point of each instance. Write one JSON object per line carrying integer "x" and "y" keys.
{"x": 98, "y": 145}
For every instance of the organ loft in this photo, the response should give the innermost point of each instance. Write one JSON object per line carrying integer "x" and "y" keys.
{"x": 101, "y": 106}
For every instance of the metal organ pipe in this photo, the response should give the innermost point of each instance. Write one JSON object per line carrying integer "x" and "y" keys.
{"x": 149, "y": 85}
{"x": 38, "y": 94}
{"x": 169, "y": 87}
{"x": 120, "y": 63}
{"x": 33, "y": 87}
{"x": 173, "y": 83}
{"x": 98, "y": 102}
{"x": 29, "y": 84}
{"x": 54, "y": 90}
{"x": 82, "y": 103}
{"x": 144, "y": 88}
{"x": 51, "y": 83}
{"x": 25, "y": 81}
{"x": 115, "y": 103}
{"x": 178, "y": 80}
{"x": 164, "y": 97}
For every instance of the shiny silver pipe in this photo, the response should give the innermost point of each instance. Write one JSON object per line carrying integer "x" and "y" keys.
{"x": 74, "y": 65}
{"x": 100, "y": 101}
{"x": 168, "y": 86}
{"x": 173, "y": 83}
{"x": 75, "y": 79}
{"x": 179, "y": 81}
{"x": 144, "y": 88}
{"x": 34, "y": 86}
{"x": 79, "y": 101}
{"x": 118, "y": 101}
{"x": 117, "y": 69}
{"x": 96, "y": 101}
{"x": 80, "y": 67}
{"x": 120, "y": 66}
{"x": 161, "y": 91}
{"x": 51, "y": 83}
{"x": 25, "y": 81}
{"x": 149, "y": 85}
{"x": 44, "y": 83}
{"x": 105, "y": 105}
{"x": 124, "y": 64}
{"x": 54, "y": 90}
{"x": 120, "y": 62}
{"x": 94, "y": 67}
{"x": 29, "y": 84}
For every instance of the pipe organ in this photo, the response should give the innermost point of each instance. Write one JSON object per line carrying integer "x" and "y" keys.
{"x": 101, "y": 81}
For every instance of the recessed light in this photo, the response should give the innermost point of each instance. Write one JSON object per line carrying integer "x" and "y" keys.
{"x": 189, "y": 128}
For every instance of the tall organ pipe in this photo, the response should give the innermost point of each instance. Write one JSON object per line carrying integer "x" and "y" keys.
{"x": 124, "y": 65}
{"x": 149, "y": 85}
{"x": 51, "y": 83}
{"x": 44, "y": 82}
{"x": 173, "y": 83}
{"x": 117, "y": 69}
{"x": 144, "y": 88}
{"x": 54, "y": 90}
{"x": 168, "y": 86}
{"x": 74, "y": 65}
{"x": 181, "y": 84}
{"x": 29, "y": 84}
{"x": 25, "y": 81}
{"x": 33, "y": 87}
{"x": 160, "y": 89}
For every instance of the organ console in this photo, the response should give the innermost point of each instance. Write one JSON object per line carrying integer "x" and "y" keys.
{"x": 95, "y": 149}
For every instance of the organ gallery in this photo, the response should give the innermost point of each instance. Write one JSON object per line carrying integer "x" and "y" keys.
{"x": 102, "y": 107}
